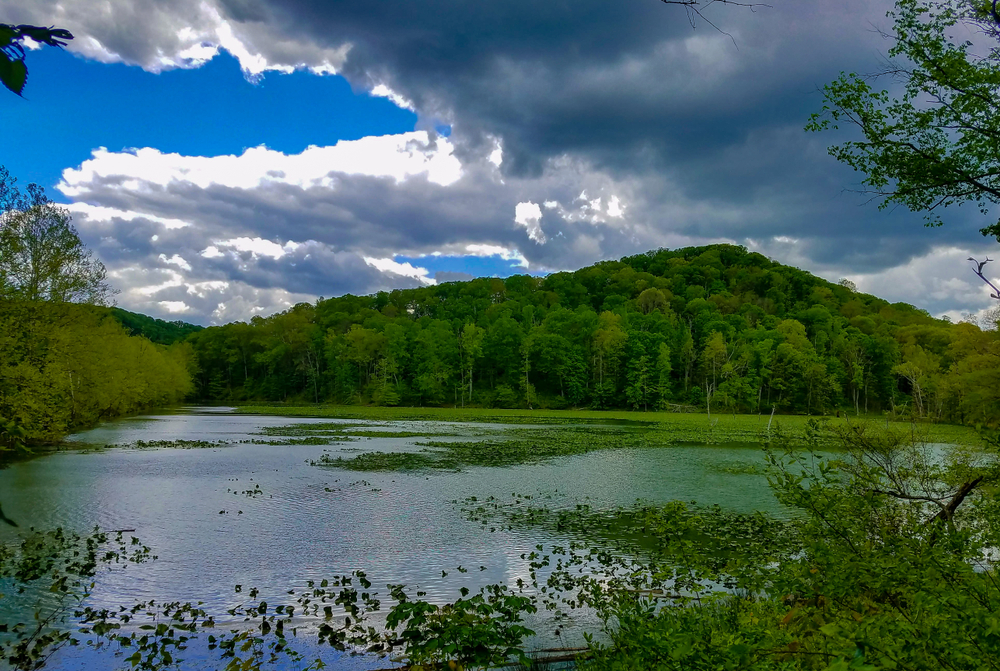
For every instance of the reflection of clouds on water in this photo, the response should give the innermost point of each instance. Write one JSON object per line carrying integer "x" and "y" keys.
{"x": 315, "y": 523}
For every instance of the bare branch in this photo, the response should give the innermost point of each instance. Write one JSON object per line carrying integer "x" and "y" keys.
{"x": 979, "y": 271}
{"x": 696, "y": 7}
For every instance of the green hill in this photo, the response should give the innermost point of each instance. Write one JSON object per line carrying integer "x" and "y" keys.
{"x": 715, "y": 327}
{"x": 157, "y": 330}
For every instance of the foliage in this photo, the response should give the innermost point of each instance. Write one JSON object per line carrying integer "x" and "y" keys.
{"x": 891, "y": 569}
{"x": 13, "y": 71}
{"x": 935, "y": 144}
{"x": 884, "y": 561}
{"x": 158, "y": 331}
{"x": 483, "y": 631}
{"x": 41, "y": 255}
{"x": 717, "y": 327}
{"x": 64, "y": 366}
{"x": 49, "y": 575}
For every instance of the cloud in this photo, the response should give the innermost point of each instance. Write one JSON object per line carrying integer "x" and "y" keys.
{"x": 494, "y": 250}
{"x": 267, "y": 226}
{"x": 529, "y": 215}
{"x": 941, "y": 281}
{"x": 602, "y": 131}
{"x": 398, "y": 157}
{"x": 162, "y": 36}
{"x": 230, "y": 230}
{"x": 401, "y": 269}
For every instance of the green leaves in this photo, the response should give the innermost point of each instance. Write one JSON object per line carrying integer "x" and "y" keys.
{"x": 13, "y": 73}
{"x": 49, "y": 575}
{"x": 936, "y": 144}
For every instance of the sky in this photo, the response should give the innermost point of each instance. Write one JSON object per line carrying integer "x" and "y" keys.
{"x": 230, "y": 158}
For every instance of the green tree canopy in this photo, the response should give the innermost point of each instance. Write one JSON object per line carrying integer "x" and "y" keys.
{"x": 41, "y": 255}
{"x": 938, "y": 142}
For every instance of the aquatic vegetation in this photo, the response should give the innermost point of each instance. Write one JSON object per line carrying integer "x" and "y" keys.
{"x": 49, "y": 575}
{"x": 249, "y": 493}
{"x": 856, "y": 561}
{"x": 309, "y": 440}
{"x": 669, "y": 427}
{"x": 292, "y": 430}
{"x": 172, "y": 444}
{"x": 656, "y": 532}
{"x": 379, "y": 461}
{"x": 519, "y": 444}
{"x": 519, "y": 447}
{"x": 738, "y": 467}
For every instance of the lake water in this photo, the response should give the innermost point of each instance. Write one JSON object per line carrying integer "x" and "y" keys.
{"x": 313, "y": 522}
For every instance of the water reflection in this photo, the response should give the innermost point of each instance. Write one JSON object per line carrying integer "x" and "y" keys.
{"x": 309, "y": 522}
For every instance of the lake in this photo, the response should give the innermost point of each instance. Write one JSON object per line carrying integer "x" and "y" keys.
{"x": 239, "y": 512}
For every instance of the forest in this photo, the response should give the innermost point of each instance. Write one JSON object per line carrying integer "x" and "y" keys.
{"x": 67, "y": 359}
{"x": 65, "y": 366}
{"x": 716, "y": 328}
{"x": 708, "y": 329}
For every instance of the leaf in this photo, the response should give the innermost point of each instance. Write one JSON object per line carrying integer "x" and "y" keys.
{"x": 13, "y": 73}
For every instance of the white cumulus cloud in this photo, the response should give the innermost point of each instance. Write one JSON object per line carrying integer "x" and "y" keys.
{"x": 529, "y": 215}
{"x": 401, "y": 269}
{"x": 399, "y": 157}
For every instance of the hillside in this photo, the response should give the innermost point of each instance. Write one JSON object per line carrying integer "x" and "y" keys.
{"x": 713, "y": 327}
{"x": 66, "y": 366}
{"x": 156, "y": 330}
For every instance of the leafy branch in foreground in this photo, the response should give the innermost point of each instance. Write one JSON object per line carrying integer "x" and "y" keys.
{"x": 880, "y": 578}
{"x": 936, "y": 144}
{"x": 13, "y": 71}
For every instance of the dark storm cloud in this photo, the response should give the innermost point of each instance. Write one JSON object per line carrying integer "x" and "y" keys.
{"x": 637, "y": 93}
{"x": 616, "y": 82}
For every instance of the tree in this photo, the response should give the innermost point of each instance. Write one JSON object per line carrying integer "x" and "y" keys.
{"x": 470, "y": 341}
{"x": 695, "y": 8}
{"x": 651, "y": 299}
{"x": 663, "y": 369}
{"x": 935, "y": 145}
{"x": 713, "y": 356}
{"x": 13, "y": 71}
{"x": 41, "y": 255}
{"x": 609, "y": 343}
{"x": 640, "y": 382}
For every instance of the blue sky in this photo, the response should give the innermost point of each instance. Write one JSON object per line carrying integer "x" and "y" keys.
{"x": 73, "y": 105}
{"x": 229, "y": 158}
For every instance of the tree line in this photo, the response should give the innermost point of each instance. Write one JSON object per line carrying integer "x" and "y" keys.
{"x": 66, "y": 359}
{"x": 715, "y": 327}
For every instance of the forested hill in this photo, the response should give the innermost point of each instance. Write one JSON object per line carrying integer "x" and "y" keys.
{"x": 713, "y": 326}
{"x": 156, "y": 330}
